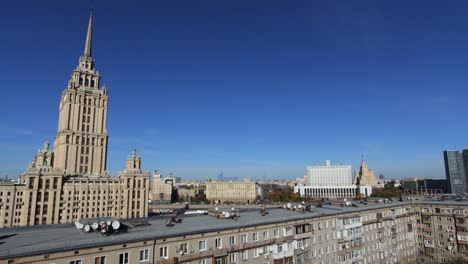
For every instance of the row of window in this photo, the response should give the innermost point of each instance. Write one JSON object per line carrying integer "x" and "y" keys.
{"x": 124, "y": 258}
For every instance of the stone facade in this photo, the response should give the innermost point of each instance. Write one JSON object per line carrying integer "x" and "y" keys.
{"x": 227, "y": 191}
{"x": 71, "y": 182}
{"x": 365, "y": 176}
{"x": 162, "y": 188}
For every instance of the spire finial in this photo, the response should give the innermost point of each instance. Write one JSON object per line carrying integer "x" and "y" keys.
{"x": 89, "y": 35}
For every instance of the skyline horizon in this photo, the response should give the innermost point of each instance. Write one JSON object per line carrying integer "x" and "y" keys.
{"x": 258, "y": 124}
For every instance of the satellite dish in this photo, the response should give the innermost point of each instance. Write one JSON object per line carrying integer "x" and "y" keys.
{"x": 115, "y": 225}
{"x": 78, "y": 225}
{"x": 232, "y": 209}
{"x": 108, "y": 222}
{"x": 345, "y": 199}
{"x": 260, "y": 251}
{"x": 95, "y": 226}
{"x": 299, "y": 206}
{"x": 216, "y": 208}
{"x": 289, "y": 205}
{"x": 87, "y": 228}
{"x": 227, "y": 215}
{"x": 181, "y": 252}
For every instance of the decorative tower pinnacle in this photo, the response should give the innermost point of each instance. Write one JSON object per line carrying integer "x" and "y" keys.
{"x": 81, "y": 142}
{"x": 89, "y": 37}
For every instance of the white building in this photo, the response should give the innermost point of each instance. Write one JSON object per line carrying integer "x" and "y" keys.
{"x": 330, "y": 181}
{"x": 329, "y": 175}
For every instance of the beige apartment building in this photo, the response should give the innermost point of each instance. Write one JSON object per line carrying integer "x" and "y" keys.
{"x": 230, "y": 191}
{"x": 71, "y": 182}
{"x": 442, "y": 231}
{"x": 372, "y": 233}
{"x": 162, "y": 188}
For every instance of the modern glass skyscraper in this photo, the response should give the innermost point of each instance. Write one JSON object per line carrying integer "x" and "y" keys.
{"x": 456, "y": 170}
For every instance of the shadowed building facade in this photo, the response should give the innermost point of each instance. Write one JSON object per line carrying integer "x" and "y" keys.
{"x": 71, "y": 182}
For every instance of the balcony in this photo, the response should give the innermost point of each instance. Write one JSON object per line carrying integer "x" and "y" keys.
{"x": 303, "y": 235}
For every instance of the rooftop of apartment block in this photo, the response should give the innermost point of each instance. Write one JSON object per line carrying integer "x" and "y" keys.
{"x": 44, "y": 239}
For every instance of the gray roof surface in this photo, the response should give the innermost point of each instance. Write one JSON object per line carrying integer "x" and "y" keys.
{"x": 44, "y": 239}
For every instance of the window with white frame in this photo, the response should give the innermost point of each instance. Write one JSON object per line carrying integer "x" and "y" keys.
{"x": 163, "y": 252}
{"x": 232, "y": 258}
{"x": 265, "y": 235}
{"x": 245, "y": 255}
{"x": 123, "y": 258}
{"x": 144, "y": 255}
{"x": 218, "y": 242}
{"x": 276, "y": 232}
{"x": 279, "y": 248}
{"x": 255, "y": 236}
{"x": 183, "y": 248}
{"x": 232, "y": 240}
{"x": 244, "y": 238}
{"x": 202, "y": 261}
{"x": 255, "y": 253}
{"x": 77, "y": 261}
{"x": 202, "y": 245}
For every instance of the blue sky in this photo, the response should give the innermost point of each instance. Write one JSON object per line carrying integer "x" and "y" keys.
{"x": 247, "y": 88}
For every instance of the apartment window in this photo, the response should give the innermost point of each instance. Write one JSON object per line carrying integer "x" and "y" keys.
{"x": 78, "y": 261}
{"x": 218, "y": 243}
{"x": 276, "y": 232}
{"x": 232, "y": 240}
{"x": 245, "y": 255}
{"x": 163, "y": 253}
{"x": 255, "y": 253}
{"x": 100, "y": 260}
{"x": 255, "y": 236}
{"x": 244, "y": 238}
{"x": 202, "y": 245}
{"x": 202, "y": 261}
{"x": 123, "y": 258}
{"x": 232, "y": 258}
{"x": 144, "y": 255}
{"x": 183, "y": 248}
{"x": 279, "y": 248}
{"x": 265, "y": 235}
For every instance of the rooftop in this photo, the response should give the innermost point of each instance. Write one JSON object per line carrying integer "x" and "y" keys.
{"x": 21, "y": 241}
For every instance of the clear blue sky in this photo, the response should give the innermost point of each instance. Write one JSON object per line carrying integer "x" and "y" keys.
{"x": 248, "y": 88}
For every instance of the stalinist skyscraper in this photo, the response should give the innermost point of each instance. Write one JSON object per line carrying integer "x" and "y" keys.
{"x": 81, "y": 142}
{"x": 71, "y": 182}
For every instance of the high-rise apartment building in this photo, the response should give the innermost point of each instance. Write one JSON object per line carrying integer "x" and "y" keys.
{"x": 456, "y": 170}
{"x": 71, "y": 182}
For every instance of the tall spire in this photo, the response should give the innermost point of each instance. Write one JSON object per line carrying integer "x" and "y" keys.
{"x": 89, "y": 36}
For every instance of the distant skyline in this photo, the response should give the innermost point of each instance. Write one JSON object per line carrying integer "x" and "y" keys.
{"x": 246, "y": 88}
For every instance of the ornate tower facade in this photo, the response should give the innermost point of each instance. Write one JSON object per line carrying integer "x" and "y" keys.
{"x": 80, "y": 146}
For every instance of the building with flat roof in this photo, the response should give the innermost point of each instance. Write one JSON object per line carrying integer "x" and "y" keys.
{"x": 71, "y": 181}
{"x": 456, "y": 170}
{"x": 330, "y": 234}
{"x": 330, "y": 181}
{"x": 231, "y": 191}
